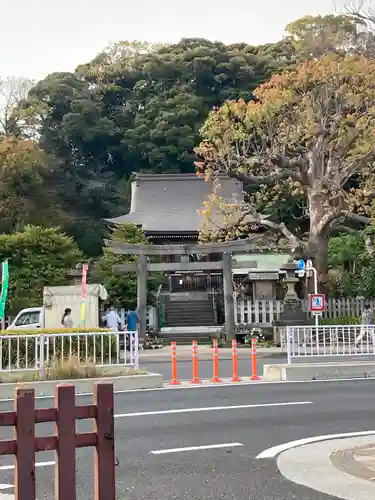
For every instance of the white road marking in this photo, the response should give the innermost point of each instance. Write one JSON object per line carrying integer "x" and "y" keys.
{"x": 276, "y": 450}
{"x": 168, "y": 387}
{"x": 196, "y": 448}
{"x": 37, "y": 464}
{"x": 209, "y": 408}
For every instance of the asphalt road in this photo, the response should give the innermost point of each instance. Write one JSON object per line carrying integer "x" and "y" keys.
{"x": 150, "y": 425}
{"x": 244, "y": 365}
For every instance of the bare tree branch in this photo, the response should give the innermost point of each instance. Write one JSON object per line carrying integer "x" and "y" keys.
{"x": 362, "y": 219}
{"x": 247, "y": 215}
{"x": 339, "y": 228}
{"x": 369, "y": 244}
{"x": 13, "y": 90}
{"x": 357, "y": 166}
{"x": 285, "y": 169}
{"x": 327, "y": 219}
{"x": 283, "y": 230}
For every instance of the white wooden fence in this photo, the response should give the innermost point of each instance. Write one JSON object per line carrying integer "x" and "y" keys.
{"x": 264, "y": 312}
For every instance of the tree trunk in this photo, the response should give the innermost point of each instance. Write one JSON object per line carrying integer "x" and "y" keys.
{"x": 318, "y": 250}
{"x": 318, "y": 237}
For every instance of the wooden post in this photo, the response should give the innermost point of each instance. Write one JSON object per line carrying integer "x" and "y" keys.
{"x": 142, "y": 295}
{"x": 65, "y": 427}
{"x": 24, "y": 434}
{"x": 230, "y": 324}
{"x": 104, "y": 452}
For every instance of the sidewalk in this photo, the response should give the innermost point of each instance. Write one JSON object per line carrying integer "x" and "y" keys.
{"x": 184, "y": 353}
{"x": 344, "y": 468}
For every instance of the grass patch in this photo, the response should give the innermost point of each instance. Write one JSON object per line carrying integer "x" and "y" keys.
{"x": 69, "y": 369}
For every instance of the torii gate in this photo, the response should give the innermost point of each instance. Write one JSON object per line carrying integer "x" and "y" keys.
{"x": 141, "y": 267}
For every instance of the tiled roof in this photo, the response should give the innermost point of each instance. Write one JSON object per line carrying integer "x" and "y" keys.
{"x": 171, "y": 202}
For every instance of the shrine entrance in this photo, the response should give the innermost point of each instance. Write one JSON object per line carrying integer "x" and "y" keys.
{"x": 142, "y": 266}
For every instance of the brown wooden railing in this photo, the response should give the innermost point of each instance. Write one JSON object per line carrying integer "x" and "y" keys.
{"x": 64, "y": 414}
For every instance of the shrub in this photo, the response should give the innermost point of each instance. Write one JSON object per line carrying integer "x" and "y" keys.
{"x": 39, "y": 331}
{"x": 37, "y": 257}
{"x": 71, "y": 368}
{"x": 341, "y": 320}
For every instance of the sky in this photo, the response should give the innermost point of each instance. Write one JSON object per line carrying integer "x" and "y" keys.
{"x": 39, "y": 37}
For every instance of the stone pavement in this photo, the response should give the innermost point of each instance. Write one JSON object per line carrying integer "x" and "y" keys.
{"x": 344, "y": 468}
{"x": 358, "y": 461}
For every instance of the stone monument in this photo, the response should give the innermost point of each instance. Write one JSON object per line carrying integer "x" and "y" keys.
{"x": 293, "y": 314}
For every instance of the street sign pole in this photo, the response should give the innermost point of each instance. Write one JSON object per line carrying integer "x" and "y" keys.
{"x": 311, "y": 268}
{"x": 304, "y": 270}
{"x": 317, "y": 305}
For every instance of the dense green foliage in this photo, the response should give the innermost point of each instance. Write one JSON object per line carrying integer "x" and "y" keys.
{"x": 135, "y": 107}
{"x": 70, "y": 143}
{"x": 37, "y": 257}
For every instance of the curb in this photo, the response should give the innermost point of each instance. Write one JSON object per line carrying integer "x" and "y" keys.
{"x": 162, "y": 358}
{"x": 319, "y": 371}
{"x": 83, "y": 386}
{"x": 310, "y": 465}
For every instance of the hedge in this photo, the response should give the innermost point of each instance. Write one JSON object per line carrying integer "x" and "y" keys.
{"x": 341, "y": 320}
{"x": 21, "y": 351}
{"x": 39, "y": 331}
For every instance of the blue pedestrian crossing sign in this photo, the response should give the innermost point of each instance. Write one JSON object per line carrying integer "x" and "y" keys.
{"x": 317, "y": 302}
{"x": 301, "y": 265}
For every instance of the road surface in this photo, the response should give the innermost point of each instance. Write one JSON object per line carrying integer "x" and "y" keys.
{"x": 202, "y": 443}
{"x": 205, "y": 367}
{"x": 244, "y": 365}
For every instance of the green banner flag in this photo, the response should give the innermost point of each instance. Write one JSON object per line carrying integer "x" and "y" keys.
{"x": 4, "y": 288}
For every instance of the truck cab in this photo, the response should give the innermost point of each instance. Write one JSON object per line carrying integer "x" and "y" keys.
{"x": 28, "y": 319}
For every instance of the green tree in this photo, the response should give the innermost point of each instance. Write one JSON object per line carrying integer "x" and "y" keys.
{"x": 37, "y": 257}
{"x": 348, "y": 253}
{"x": 135, "y": 107}
{"x": 26, "y": 191}
{"x": 311, "y": 128}
{"x": 315, "y": 36}
{"x": 141, "y": 106}
{"x": 75, "y": 135}
{"x": 122, "y": 287}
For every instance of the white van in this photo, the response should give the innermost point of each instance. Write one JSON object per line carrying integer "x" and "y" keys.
{"x": 55, "y": 300}
{"x": 29, "y": 319}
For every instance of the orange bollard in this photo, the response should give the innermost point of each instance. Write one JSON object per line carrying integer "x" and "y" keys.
{"x": 195, "y": 379}
{"x": 235, "y": 377}
{"x": 174, "y": 380}
{"x": 254, "y": 375}
{"x": 215, "y": 362}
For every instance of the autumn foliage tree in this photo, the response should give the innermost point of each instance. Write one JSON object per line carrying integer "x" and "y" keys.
{"x": 26, "y": 187}
{"x": 311, "y": 131}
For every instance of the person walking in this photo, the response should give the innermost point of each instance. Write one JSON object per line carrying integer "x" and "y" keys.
{"x": 112, "y": 319}
{"x": 366, "y": 321}
{"x": 131, "y": 326}
{"x": 66, "y": 319}
{"x": 113, "y": 322}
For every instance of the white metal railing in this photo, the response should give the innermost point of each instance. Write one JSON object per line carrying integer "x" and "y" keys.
{"x": 331, "y": 340}
{"x": 38, "y": 352}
